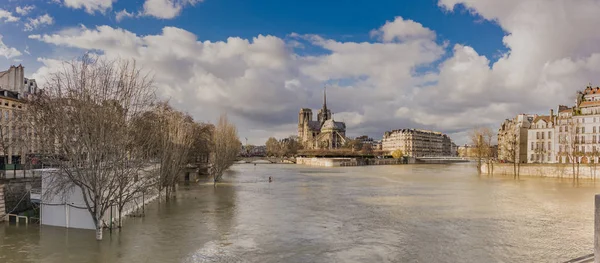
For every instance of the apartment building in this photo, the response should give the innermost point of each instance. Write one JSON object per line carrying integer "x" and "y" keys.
{"x": 417, "y": 143}
{"x": 513, "y": 133}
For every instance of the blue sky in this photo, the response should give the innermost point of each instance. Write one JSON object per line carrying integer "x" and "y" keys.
{"x": 216, "y": 20}
{"x": 446, "y": 65}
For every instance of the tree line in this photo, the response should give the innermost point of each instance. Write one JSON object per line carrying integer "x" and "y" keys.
{"x": 99, "y": 123}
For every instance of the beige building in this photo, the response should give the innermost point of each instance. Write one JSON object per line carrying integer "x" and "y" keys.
{"x": 515, "y": 129}
{"x": 324, "y": 133}
{"x": 18, "y": 137}
{"x": 417, "y": 143}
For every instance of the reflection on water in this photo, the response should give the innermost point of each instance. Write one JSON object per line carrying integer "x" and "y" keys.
{"x": 408, "y": 213}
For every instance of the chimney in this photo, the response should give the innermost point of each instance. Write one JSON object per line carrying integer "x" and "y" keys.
{"x": 551, "y": 113}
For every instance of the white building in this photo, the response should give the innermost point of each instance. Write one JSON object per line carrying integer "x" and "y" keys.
{"x": 68, "y": 209}
{"x": 541, "y": 140}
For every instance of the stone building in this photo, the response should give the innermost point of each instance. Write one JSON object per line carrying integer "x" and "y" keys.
{"x": 17, "y": 137}
{"x": 541, "y": 139}
{"x": 515, "y": 129}
{"x": 417, "y": 143}
{"x": 14, "y": 80}
{"x": 324, "y": 133}
{"x": 579, "y": 129}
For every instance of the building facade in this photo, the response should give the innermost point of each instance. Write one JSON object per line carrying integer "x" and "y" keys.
{"x": 417, "y": 143}
{"x": 18, "y": 137}
{"x": 513, "y": 134}
{"x": 541, "y": 139}
{"x": 14, "y": 80}
{"x": 324, "y": 133}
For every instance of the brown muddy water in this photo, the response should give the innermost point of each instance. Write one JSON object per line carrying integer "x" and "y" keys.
{"x": 404, "y": 213}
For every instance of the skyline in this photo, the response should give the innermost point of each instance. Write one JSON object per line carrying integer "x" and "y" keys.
{"x": 443, "y": 65}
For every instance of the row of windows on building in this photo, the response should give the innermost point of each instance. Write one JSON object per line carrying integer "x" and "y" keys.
{"x": 542, "y": 135}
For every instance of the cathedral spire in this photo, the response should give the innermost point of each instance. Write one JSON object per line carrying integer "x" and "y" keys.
{"x": 325, "y": 97}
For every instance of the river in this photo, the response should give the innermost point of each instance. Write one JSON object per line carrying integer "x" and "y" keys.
{"x": 403, "y": 213}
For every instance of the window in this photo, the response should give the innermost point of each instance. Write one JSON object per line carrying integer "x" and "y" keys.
{"x": 532, "y": 156}
{"x": 594, "y": 129}
{"x": 537, "y": 135}
{"x": 593, "y": 148}
{"x": 593, "y": 139}
{"x": 582, "y": 129}
{"x": 542, "y": 135}
{"x": 566, "y": 128}
{"x": 549, "y": 146}
{"x": 560, "y": 129}
{"x": 582, "y": 139}
{"x": 532, "y": 145}
{"x": 548, "y": 158}
{"x": 577, "y": 131}
{"x": 549, "y": 134}
{"x": 582, "y": 149}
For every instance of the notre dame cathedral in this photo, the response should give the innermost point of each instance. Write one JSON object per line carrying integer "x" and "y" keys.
{"x": 324, "y": 133}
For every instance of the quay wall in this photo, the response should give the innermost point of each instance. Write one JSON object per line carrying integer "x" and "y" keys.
{"x": 564, "y": 170}
{"x": 337, "y": 162}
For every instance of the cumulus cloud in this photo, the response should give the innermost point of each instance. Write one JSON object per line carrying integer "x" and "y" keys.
{"x": 7, "y": 16}
{"x": 166, "y": 9}
{"x": 24, "y": 10}
{"x": 402, "y": 30}
{"x": 8, "y": 52}
{"x": 123, "y": 14}
{"x": 33, "y": 23}
{"x": 405, "y": 78}
{"x": 90, "y": 6}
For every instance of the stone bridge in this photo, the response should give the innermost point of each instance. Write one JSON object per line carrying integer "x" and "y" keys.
{"x": 258, "y": 159}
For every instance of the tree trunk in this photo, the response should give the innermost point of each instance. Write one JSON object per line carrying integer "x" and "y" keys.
{"x": 98, "y": 226}
{"x": 99, "y": 232}
{"x": 120, "y": 224}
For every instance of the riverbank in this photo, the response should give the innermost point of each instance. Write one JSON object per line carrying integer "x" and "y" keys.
{"x": 337, "y": 162}
{"x": 555, "y": 170}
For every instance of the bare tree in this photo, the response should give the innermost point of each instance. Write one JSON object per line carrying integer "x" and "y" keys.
{"x": 174, "y": 134}
{"x": 273, "y": 146}
{"x": 510, "y": 146}
{"x": 83, "y": 117}
{"x": 226, "y": 146}
{"x": 481, "y": 138}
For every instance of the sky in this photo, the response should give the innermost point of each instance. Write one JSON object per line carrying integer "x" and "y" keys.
{"x": 443, "y": 65}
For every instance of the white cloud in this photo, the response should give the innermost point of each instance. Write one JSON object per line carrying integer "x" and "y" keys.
{"x": 33, "y": 23}
{"x": 395, "y": 82}
{"x": 123, "y": 14}
{"x": 7, "y": 16}
{"x": 402, "y": 30}
{"x": 8, "y": 52}
{"x": 166, "y": 9}
{"x": 24, "y": 10}
{"x": 90, "y": 6}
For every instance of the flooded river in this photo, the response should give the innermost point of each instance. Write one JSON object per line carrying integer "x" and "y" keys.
{"x": 407, "y": 213}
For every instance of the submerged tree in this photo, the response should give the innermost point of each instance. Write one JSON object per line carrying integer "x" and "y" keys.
{"x": 226, "y": 146}
{"x": 83, "y": 118}
{"x": 481, "y": 139}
